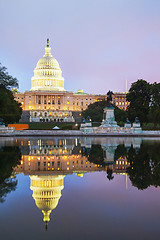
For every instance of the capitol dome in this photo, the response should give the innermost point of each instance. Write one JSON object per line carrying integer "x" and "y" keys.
{"x": 46, "y": 193}
{"x": 47, "y": 74}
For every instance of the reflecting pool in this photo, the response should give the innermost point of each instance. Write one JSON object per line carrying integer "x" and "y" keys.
{"x": 79, "y": 188}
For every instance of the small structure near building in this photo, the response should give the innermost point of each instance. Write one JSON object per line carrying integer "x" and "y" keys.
{"x": 136, "y": 126}
{"x": 86, "y": 125}
{"x": 56, "y": 128}
{"x": 127, "y": 124}
{"x": 109, "y": 118}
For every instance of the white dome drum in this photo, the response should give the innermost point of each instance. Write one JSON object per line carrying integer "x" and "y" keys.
{"x": 47, "y": 74}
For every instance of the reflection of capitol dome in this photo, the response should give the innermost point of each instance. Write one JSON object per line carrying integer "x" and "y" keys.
{"x": 46, "y": 193}
{"x": 47, "y": 74}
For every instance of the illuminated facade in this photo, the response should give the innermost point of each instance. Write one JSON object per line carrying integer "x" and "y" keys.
{"x": 119, "y": 99}
{"x": 46, "y": 193}
{"x": 48, "y": 161}
{"x": 47, "y": 74}
{"x": 49, "y": 101}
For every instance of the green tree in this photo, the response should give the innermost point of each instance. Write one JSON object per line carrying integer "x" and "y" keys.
{"x": 121, "y": 151}
{"x": 120, "y": 115}
{"x": 140, "y": 169}
{"x": 10, "y": 110}
{"x": 154, "y": 111}
{"x": 7, "y": 80}
{"x": 9, "y": 158}
{"x": 95, "y": 111}
{"x": 144, "y": 170}
{"x": 139, "y": 97}
{"x": 96, "y": 154}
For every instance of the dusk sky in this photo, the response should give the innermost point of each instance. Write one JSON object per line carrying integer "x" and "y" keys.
{"x": 98, "y": 44}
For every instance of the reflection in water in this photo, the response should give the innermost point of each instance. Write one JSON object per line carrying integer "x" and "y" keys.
{"x": 46, "y": 193}
{"x": 9, "y": 158}
{"x": 48, "y": 161}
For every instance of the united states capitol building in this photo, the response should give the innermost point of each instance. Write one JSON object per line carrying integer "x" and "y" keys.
{"x": 48, "y": 100}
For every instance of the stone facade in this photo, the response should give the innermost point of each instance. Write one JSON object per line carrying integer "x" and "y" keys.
{"x": 47, "y": 94}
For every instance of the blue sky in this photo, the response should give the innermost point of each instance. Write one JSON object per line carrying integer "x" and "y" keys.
{"x": 98, "y": 44}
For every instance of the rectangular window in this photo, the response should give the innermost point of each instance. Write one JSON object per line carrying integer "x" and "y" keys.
{"x": 45, "y": 102}
{"x": 39, "y": 101}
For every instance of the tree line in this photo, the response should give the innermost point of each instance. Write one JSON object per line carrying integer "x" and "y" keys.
{"x": 144, "y": 101}
{"x": 10, "y": 110}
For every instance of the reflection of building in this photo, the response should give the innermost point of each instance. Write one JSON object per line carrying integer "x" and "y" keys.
{"x": 49, "y": 101}
{"x": 46, "y": 193}
{"x": 47, "y": 161}
{"x": 121, "y": 165}
{"x": 59, "y": 156}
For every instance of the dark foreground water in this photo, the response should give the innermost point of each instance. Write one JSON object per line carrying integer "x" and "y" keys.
{"x": 79, "y": 188}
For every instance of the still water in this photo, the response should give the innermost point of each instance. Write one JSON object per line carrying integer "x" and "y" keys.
{"x": 79, "y": 188}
